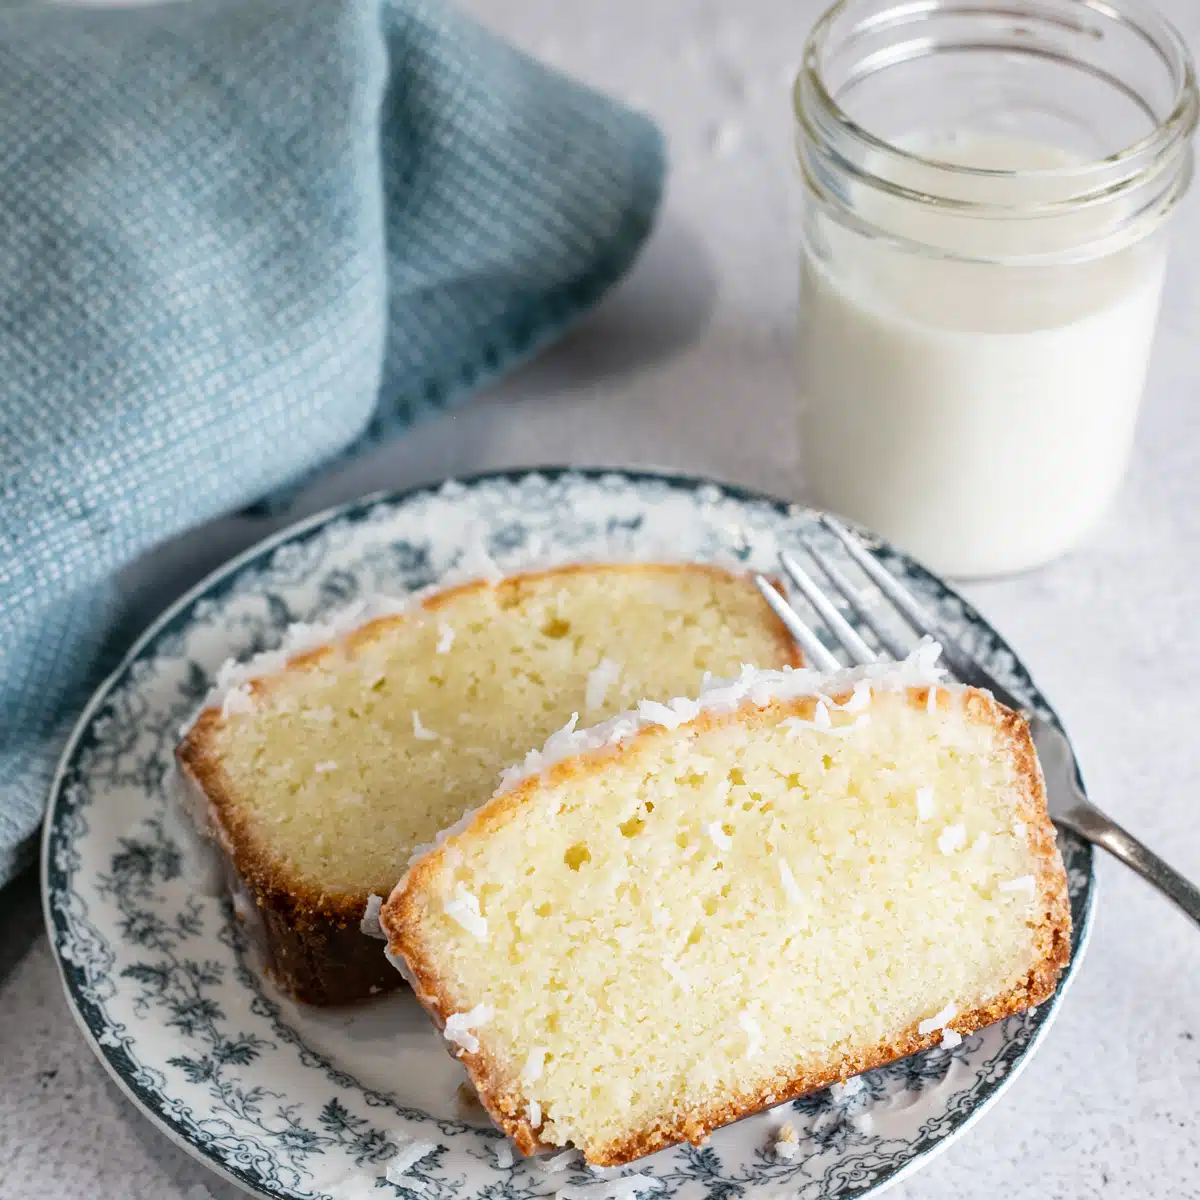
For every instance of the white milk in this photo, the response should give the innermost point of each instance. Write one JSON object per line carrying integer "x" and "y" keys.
{"x": 979, "y": 415}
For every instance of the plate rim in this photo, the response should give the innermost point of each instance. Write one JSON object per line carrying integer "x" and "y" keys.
{"x": 675, "y": 477}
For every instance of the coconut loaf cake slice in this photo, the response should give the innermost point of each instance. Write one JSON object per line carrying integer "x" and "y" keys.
{"x": 699, "y": 910}
{"x": 320, "y": 772}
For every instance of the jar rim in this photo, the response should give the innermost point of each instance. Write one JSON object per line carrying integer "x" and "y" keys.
{"x": 1119, "y": 168}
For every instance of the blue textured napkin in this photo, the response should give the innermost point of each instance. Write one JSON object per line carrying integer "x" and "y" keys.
{"x": 237, "y": 240}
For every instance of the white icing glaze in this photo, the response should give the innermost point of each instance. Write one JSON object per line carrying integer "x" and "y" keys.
{"x": 952, "y": 838}
{"x": 186, "y": 821}
{"x": 230, "y": 694}
{"x": 791, "y": 888}
{"x": 760, "y": 688}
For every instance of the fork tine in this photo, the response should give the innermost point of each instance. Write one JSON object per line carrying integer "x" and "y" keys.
{"x": 961, "y": 664}
{"x": 887, "y": 583}
{"x": 841, "y": 629}
{"x": 888, "y": 640}
{"x": 815, "y": 652}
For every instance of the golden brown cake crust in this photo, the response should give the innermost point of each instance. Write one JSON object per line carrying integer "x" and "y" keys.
{"x": 1052, "y": 940}
{"x": 310, "y": 940}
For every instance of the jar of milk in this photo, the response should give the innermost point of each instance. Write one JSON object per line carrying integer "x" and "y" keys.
{"x": 986, "y": 186}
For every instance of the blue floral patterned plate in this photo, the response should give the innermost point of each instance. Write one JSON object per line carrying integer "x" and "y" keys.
{"x": 290, "y": 1102}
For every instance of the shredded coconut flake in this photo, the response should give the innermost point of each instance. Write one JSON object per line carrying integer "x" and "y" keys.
{"x": 445, "y": 637}
{"x": 786, "y": 1142}
{"x": 1019, "y": 829}
{"x": 623, "y": 1187}
{"x": 720, "y": 838}
{"x": 560, "y": 1162}
{"x": 952, "y": 838}
{"x": 504, "y": 1154}
{"x": 791, "y": 888}
{"x": 298, "y": 639}
{"x": 459, "y": 1026}
{"x": 678, "y": 712}
{"x": 924, "y": 803}
{"x": 753, "y": 1034}
{"x": 323, "y": 768}
{"x": 980, "y": 844}
{"x": 370, "y": 918}
{"x": 533, "y": 1114}
{"x": 534, "y": 1065}
{"x": 420, "y": 732}
{"x": 752, "y": 686}
{"x": 860, "y": 698}
{"x": 851, "y": 1087}
{"x": 463, "y": 907}
{"x": 409, "y": 1152}
{"x": 931, "y": 699}
{"x": 951, "y": 1038}
{"x": 475, "y": 563}
{"x": 600, "y": 679}
{"x": 938, "y": 1020}
{"x": 1022, "y": 883}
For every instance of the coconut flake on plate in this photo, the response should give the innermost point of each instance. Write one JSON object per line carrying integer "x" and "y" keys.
{"x": 758, "y": 687}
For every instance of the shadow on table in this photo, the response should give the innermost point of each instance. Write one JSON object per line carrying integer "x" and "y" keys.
{"x": 20, "y": 921}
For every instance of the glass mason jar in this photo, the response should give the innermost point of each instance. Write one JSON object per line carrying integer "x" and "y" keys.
{"x": 986, "y": 186}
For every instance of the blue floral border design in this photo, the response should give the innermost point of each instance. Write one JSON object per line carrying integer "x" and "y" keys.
{"x": 275, "y": 1167}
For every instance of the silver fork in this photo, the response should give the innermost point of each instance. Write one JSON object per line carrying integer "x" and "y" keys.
{"x": 1066, "y": 800}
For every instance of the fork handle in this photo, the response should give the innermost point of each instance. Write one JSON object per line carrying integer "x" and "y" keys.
{"x": 1096, "y": 827}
